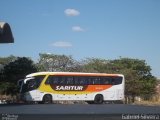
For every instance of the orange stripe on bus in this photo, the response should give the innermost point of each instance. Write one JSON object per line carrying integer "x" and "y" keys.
{"x": 97, "y": 88}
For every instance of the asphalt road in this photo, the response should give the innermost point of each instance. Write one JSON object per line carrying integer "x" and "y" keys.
{"x": 80, "y": 111}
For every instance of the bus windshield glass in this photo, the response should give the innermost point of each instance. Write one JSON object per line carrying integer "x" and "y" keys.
{"x": 31, "y": 83}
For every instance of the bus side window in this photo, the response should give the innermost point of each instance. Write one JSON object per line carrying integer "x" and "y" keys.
{"x": 52, "y": 80}
{"x": 82, "y": 80}
{"x": 69, "y": 80}
{"x": 89, "y": 81}
{"x": 96, "y": 80}
{"x": 113, "y": 81}
{"x": 55, "y": 80}
{"x": 105, "y": 81}
{"x": 76, "y": 80}
{"x": 117, "y": 80}
{"x": 62, "y": 80}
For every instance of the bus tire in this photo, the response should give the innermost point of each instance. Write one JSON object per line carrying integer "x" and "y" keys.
{"x": 98, "y": 99}
{"x": 47, "y": 99}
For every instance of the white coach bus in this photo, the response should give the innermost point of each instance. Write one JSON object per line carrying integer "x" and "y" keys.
{"x": 95, "y": 88}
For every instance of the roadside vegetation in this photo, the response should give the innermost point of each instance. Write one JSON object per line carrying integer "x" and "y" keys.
{"x": 140, "y": 83}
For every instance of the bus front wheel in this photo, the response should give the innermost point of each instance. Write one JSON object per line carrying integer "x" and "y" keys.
{"x": 47, "y": 99}
{"x": 98, "y": 99}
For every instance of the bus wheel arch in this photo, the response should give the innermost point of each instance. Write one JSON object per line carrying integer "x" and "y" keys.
{"x": 98, "y": 99}
{"x": 47, "y": 98}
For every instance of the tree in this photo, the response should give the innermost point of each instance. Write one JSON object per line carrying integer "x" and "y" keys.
{"x": 138, "y": 77}
{"x": 13, "y": 71}
{"x": 52, "y": 62}
{"x": 139, "y": 80}
{"x": 7, "y": 88}
{"x": 18, "y": 69}
{"x": 4, "y": 61}
{"x": 96, "y": 65}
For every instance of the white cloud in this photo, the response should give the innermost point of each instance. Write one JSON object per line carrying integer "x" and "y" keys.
{"x": 71, "y": 12}
{"x": 62, "y": 44}
{"x": 77, "y": 29}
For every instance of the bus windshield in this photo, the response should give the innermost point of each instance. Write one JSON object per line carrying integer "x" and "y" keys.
{"x": 31, "y": 83}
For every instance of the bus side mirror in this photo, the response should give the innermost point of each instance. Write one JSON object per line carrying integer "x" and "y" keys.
{"x": 5, "y": 33}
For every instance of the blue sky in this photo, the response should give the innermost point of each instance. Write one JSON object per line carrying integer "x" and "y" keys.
{"x": 104, "y": 29}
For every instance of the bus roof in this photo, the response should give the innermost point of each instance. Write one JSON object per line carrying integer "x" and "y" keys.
{"x": 72, "y": 74}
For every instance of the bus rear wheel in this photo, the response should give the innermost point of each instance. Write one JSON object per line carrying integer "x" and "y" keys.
{"x": 98, "y": 99}
{"x": 47, "y": 99}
